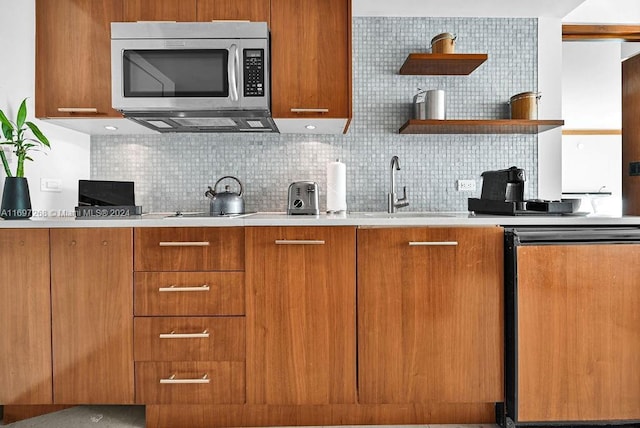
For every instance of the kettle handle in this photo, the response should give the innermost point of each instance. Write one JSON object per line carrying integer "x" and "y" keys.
{"x": 215, "y": 186}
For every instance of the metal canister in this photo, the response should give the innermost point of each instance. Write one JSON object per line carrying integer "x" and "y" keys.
{"x": 443, "y": 43}
{"x": 419, "y": 106}
{"x": 525, "y": 105}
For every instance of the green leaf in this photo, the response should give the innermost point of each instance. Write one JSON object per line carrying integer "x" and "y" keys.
{"x": 22, "y": 114}
{"x": 7, "y": 127}
{"x": 39, "y": 135}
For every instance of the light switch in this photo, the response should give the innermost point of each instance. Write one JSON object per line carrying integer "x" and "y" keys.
{"x": 50, "y": 185}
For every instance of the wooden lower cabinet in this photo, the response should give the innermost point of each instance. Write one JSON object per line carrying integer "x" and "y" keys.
{"x": 25, "y": 317}
{"x": 192, "y": 382}
{"x": 578, "y": 333}
{"x": 92, "y": 313}
{"x": 189, "y": 339}
{"x": 188, "y": 293}
{"x": 301, "y": 342}
{"x": 430, "y": 315}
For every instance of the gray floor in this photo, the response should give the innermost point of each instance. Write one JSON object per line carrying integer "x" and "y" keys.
{"x": 87, "y": 416}
{"x": 133, "y": 417}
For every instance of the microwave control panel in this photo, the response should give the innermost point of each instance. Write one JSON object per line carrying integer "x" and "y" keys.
{"x": 253, "y": 72}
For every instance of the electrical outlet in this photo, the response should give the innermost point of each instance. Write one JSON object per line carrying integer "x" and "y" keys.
{"x": 465, "y": 185}
{"x": 51, "y": 185}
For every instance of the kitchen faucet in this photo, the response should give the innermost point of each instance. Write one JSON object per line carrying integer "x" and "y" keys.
{"x": 393, "y": 201}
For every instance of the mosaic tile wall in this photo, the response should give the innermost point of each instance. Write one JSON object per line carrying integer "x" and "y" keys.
{"x": 172, "y": 172}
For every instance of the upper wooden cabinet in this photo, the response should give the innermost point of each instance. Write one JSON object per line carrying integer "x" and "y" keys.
{"x": 73, "y": 65}
{"x": 301, "y": 293}
{"x": 311, "y": 63}
{"x": 159, "y": 10}
{"x": 25, "y": 317}
{"x": 196, "y": 10}
{"x": 251, "y": 10}
{"x": 430, "y": 317}
{"x": 92, "y": 312}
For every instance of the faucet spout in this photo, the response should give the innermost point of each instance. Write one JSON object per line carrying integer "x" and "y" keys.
{"x": 393, "y": 202}
{"x": 395, "y": 166}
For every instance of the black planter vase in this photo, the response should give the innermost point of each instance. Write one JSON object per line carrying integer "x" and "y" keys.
{"x": 16, "y": 201}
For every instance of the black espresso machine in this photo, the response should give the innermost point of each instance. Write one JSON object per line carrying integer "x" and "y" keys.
{"x": 503, "y": 194}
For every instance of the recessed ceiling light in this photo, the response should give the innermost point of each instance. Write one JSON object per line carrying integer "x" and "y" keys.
{"x": 111, "y": 128}
{"x": 310, "y": 127}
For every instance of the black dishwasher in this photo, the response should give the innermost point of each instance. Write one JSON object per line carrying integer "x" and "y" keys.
{"x": 572, "y": 327}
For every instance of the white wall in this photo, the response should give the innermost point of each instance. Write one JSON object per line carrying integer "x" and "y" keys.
{"x": 592, "y": 99}
{"x": 591, "y": 85}
{"x": 550, "y": 107}
{"x": 68, "y": 159}
{"x": 605, "y": 11}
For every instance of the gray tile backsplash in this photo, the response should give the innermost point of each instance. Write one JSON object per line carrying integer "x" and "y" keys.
{"x": 172, "y": 171}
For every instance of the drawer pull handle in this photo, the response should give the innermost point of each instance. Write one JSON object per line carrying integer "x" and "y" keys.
{"x": 185, "y": 244}
{"x": 174, "y": 335}
{"x": 203, "y": 287}
{"x": 309, "y": 110}
{"x": 78, "y": 110}
{"x": 299, "y": 242}
{"x": 172, "y": 379}
{"x": 433, "y": 243}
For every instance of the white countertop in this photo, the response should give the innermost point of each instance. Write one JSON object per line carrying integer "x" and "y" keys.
{"x": 364, "y": 219}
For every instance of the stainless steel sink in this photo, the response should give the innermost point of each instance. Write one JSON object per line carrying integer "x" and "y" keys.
{"x": 406, "y": 214}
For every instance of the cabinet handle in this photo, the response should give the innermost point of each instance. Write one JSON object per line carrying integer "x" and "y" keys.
{"x": 298, "y": 242}
{"x": 433, "y": 243}
{"x": 78, "y": 110}
{"x": 174, "y": 335}
{"x": 309, "y": 110}
{"x": 174, "y": 380}
{"x": 203, "y": 287}
{"x": 185, "y": 244}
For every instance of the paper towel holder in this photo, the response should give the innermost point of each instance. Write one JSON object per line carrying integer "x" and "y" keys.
{"x": 336, "y": 187}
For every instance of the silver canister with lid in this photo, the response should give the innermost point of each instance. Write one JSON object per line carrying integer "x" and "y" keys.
{"x": 429, "y": 104}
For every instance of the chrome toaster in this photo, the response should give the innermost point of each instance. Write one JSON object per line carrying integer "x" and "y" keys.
{"x": 303, "y": 198}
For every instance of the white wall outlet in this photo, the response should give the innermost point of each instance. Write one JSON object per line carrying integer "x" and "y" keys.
{"x": 465, "y": 185}
{"x": 51, "y": 185}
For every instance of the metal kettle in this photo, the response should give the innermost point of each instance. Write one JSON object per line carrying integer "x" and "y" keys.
{"x": 227, "y": 202}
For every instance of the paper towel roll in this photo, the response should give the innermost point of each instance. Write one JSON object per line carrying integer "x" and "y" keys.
{"x": 336, "y": 187}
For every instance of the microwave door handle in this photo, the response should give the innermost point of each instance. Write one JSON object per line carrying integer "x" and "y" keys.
{"x": 233, "y": 70}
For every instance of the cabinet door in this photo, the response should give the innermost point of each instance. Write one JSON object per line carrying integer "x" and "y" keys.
{"x": 301, "y": 315}
{"x": 73, "y": 64}
{"x": 159, "y": 10}
{"x": 25, "y": 317}
{"x": 430, "y": 315}
{"x": 311, "y": 58}
{"x": 578, "y": 332}
{"x": 252, "y": 10}
{"x": 92, "y": 313}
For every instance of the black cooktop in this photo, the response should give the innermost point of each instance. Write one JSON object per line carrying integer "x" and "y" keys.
{"x": 526, "y": 207}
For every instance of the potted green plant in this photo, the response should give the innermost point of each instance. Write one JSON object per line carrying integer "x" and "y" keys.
{"x": 16, "y": 201}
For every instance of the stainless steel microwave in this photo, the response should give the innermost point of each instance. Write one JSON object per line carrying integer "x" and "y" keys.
{"x": 192, "y": 76}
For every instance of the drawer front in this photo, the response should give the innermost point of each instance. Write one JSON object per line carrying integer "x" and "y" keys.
{"x": 189, "y": 249}
{"x": 189, "y": 293}
{"x": 189, "y": 339}
{"x": 190, "y": 382}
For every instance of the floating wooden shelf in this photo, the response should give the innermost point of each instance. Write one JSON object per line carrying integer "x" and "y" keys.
{"x": 498, "y": 126}
{"x": 441, "y": 64}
